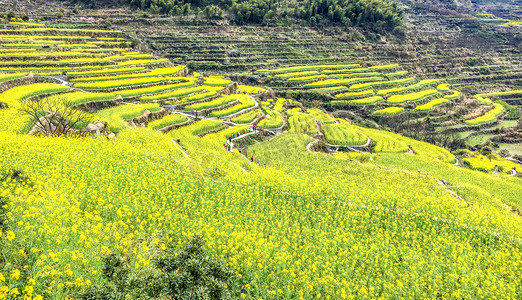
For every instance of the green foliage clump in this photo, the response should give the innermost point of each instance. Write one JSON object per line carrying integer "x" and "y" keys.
{"x": 379, "y": 14}
{"x": 189, "y": 274}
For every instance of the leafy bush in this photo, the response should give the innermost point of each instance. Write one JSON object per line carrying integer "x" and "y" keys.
{"x": 189, "y": 274}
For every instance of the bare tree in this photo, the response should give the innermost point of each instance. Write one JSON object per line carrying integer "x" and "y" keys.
{"x": 53, "y": 116}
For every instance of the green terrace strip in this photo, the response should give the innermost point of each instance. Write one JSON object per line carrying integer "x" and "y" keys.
{"x": 482, "y": 100}
{"x": 85, "y": 97}
{"x": 11, "y": 76}
{"x": 217, "y": 80}
{"x": 443, "y": 87}
{"x": 205, "y": 94}
{"x": 142, "y": 62}
{"x": 209, "y": 104}
{"x": 302, "y": 123}
{"x": 46, "y": 37}
{"x": 389, "y": 142}
{"x": 244, "y": 102}
{"x": 454, "y": 95}
{"x": 333, "y": 82}
{"x": 100, "y": 85}
{"x": 332, "y": 89}
{"x": 362, "y": 101}
{"x": 43, "y": 54}
{"x": 95, "y": 50}
{"x": 332, "y": 76}
{"x": 411, "y": 96}
{"x": 349, "y": 95}
{"x": 179, "y": 93}
{"x": 296, "y": 74}
{"x": 16, "y": 50}
{"x": 409, "y": 87}
{"x": 489, "y": 116}
{"x": 343, "y": 134}
{"x": 169, "y": 120}
{"x": 173, "y": 71}
{"x": 197, "y": 128}
{"x": 116, "y": 116}
{"x": 359, "y": 86}
{"x": 104, "y": 71}
{"x": 392, "y": 110}
{"x": 307, "y": 78}
{"x": 386, "y": 141}
{"x": 320, "y": 116}
{"x": 431, "y": 104}
{"x": 247, "y": 117}
{"x": 273, "y": 118}
{"x": 308, "y": 68}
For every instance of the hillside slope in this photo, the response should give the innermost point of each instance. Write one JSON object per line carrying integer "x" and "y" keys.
{"x": 156, "y": 161}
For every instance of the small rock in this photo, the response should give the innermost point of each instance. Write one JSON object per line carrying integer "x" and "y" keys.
{"x": 445, "y": 182}
{"x": 97, "y": 126}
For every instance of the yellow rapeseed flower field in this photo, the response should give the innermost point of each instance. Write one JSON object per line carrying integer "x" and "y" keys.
{"x": 307, "y": 225}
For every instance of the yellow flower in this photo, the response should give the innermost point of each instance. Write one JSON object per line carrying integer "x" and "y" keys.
{"x": 4, "y": 290}
{"x": 28, "y": 290}
{"x": 15, "y": 274}
{"x": 2, "y": 278}
{"x": 10, "y": 236}
{"x": 14, "y": 292}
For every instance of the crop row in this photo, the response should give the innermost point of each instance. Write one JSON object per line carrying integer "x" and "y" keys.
{"x": 388, "y": 111}
{"x": 101, "y": 85}
{"x": 301, "y": 123}
{"x": 247, "y": 117}
{"x": 481, "y": 97}
{"x": 171, "y": 119}
{"x": 343, "y": 134}
{"x": 431, "y": 104}
{"x": 183, "y": 92}
{"x": 244, "y": 102}
{"x": 417, "y": 85}
{"x": 489, "y": 116}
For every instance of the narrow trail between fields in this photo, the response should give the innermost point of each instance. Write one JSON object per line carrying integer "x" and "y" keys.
{"x": 309, "y": 145}
{"x": 181, "y": 148}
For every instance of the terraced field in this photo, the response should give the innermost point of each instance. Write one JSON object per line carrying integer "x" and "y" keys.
{"x": 391, "y": 96}
{"x": 165, "y": 153}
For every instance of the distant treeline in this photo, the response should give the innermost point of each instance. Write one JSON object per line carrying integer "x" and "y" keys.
{"x": 378, "y": 14}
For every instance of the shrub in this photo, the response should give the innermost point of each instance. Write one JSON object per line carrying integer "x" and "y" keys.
{"x": 191, "y": 274}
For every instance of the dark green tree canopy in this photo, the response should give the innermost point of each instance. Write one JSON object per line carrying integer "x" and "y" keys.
{"x": 377, "y": 14}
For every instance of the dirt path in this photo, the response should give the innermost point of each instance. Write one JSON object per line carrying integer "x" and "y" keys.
{"x": 309, "y": 145}
{"x": 181, "y": 149}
